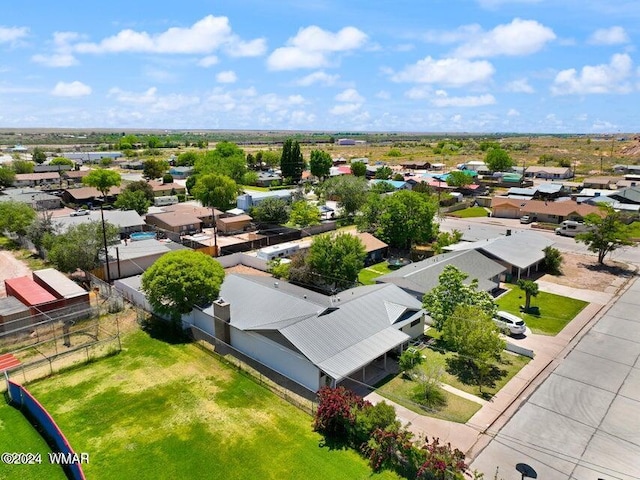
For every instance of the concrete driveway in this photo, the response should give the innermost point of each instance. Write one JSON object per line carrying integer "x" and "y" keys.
{"x": 583, "y": 421}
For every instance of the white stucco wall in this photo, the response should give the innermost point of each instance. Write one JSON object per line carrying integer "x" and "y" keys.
{"x": 415, "y": 331}
{"x": 277, "y": 357}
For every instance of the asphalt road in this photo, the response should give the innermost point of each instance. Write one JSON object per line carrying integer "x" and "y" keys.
{"x": 487, "y": 227}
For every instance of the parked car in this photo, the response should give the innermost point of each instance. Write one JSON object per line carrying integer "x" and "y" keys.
{"x": 79, "y": 213}
{"x": 571, "y": 228}
{"x": 528, "y": 219}
{"x": 509, "y": 323}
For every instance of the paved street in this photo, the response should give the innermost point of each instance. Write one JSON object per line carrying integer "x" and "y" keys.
{"x": 583, "y": 421}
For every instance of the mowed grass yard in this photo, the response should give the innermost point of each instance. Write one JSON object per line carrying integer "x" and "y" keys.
{"x": 368, "y": 275}
{"x": 159, "y": 410}
{"x": 18, "y": 435}
{"x": 470, "y": 212}
{"x": 555, "y": 311}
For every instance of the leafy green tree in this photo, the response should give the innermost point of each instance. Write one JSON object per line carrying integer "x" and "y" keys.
{"x": 291, "y": 161}
{"x": 452, "y": 292}
{"x": 605, "y": 233}
{"x": 320, "y": 163}
{"x": 383, "y": 186}
{"x": 409, "y": 359}
{"x": 358, "y": 169}
{"x": 128, "y": 142}
{"x": 250, "y": 178}
{"x": 7, "y": 176}
{"x": 167, "y": 178}
{"x": 350, "y": 192}
{"x": 38, "y": 155}
{"x": 15, "y": 217}
{"x": 530, "y": 289}
{"x": 445, "y": 239}
{"x": 226, "y": 159}
{"x": 337, "y": 259}
{"x": 190, "y": 183}
{"x": 187, "y": 159}
{"x": 498, "y": 160}
{"x": 153, "y": 142}
{"x": 384, "y": 173}
{"x": 62, "y": 161}
{"x": 470, "y": 331}
{"x": 181, "y": 280}
{"x": 459, "y": 179}
{"x": 152, "y": 168}
{"x": 278, "y": 268}
{"x": 429, "y": 378}
{"x": 304, "y": 214}
{"x": 271, "y": 210}
{"x": 80, "y": 246}
{"x": 22, "y": 166}
{"x": 398, "y": 177}
{"x": 42, "y": 226}
{"x": 552, "y": 261}
{"x": 141, "y": 186}
{"x": 269, "y": 157}
{"x": 103, "y": 180}
{"x": 128, "y": 200}
{"x": 216, "y": 191}
{"x": 401, "y": 220}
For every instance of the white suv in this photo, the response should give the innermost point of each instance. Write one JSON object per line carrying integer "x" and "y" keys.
{"x": 508, "y": 322}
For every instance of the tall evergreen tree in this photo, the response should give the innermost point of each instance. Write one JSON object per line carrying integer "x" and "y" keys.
{"x": 291, "y": 162}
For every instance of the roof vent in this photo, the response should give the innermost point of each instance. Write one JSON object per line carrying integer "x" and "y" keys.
{"x": 275, "y": 284}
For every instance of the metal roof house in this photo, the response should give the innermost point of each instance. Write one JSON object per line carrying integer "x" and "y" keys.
{"x": 421, "y": 277}
{"x": 310, "y": 338}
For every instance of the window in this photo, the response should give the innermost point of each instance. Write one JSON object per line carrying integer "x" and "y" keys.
{"x": 415, "y": 322}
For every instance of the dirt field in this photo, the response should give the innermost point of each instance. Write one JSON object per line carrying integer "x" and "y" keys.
{"x": 10, "y": 267}
{"x": 582, "y": 271}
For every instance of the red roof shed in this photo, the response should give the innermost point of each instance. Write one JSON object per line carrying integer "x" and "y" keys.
{"x": 28, "y": 291}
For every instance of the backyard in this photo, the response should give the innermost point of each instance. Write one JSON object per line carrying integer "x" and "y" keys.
{"x": 550, "y": 315}
{"x": 171, "y": 410}
{"x": 368, "y": 275}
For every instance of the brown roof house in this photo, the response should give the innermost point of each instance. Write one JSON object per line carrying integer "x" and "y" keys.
{"x": 161, "y": 189}
{"x": 203, "y": 213}
{"x": 84, "y": 195}
{"x": 548, "y": 172}
{"x": 233, "y": 223}
{"x": 176, "y": 222}
{"x": 376, "y": 249}
{"x": 557, "y": 212}
{"x": 504, "y": 207}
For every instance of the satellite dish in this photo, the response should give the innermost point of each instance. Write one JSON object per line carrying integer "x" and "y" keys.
{"x": 527, "y": 471}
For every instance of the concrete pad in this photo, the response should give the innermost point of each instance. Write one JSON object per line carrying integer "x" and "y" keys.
{"x": 607, "y": 457}
{"x": 594, "y": 371}
{"x": 622, "y": 309}
{"x": 619, "y": 327}
{"x": 623, "y": 420}
{"x": 612, "y": 348}
{"x": 576, "y": 400}
{"x": 632, "y": 297}
{"x": 631, "y": 387}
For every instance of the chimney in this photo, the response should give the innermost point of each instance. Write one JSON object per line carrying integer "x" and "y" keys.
{"x": 508, "y": 232}
{"x": 221, "y": 320}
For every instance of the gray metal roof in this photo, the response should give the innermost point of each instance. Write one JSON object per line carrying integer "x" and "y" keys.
{"x": 421, "y": 277}
{"x": 522, "y": 249}
{"x": 138, "y": 249}
{"x": 59, "y": 283}
{"x": 11, "y": 306}
{"x": 119, "y": 218}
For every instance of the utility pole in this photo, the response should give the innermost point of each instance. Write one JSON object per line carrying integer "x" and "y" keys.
{"x": 104, "y": 238}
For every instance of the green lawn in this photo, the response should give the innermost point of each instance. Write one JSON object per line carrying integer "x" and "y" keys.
{"x": 555, "y": 311}
{"x": 159, "y": 410}
{"x": 402, "y": 391}
{"x": 368, "y": 275}
{"x": 18, "y": 435}
{"x": 634, "y": 229}
{"x": 470, "y": 212}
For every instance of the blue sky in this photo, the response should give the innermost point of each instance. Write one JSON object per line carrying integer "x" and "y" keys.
{"x": 538, "y": 66}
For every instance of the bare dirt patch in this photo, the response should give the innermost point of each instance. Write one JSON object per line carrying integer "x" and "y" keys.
{"x": 244, "y": 270}
{"x": 10, "y": 267}
{"x": 583, "y": 271}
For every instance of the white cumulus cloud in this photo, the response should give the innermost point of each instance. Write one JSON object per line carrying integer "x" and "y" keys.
{"x": 520, "y": 86}
{"x": 320, "y": 77}
{"x": 345, "y": 109}
{"x": 55, "y": 60}
{"x": 446, "y": 71}
{"x": 12, "y": 34}
{"x": 520, "y": 37}
{"x": 228, "y": 76}
{"x": 349, "y": 95}
{"x": 609, "y": 36}
{"x": 208, "y": 61}
{"x": 312, "y": 47}
{"x": 72, "y": 89}
{"x": 153, "y": 101}
{"x": 442, "y": 99}
{"x": 605, "y": 78}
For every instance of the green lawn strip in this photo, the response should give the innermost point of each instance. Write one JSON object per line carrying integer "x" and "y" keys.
{"x": 368, "y": 274}
{"x": 634, "y": 230}
{"x": 17, "y": 435}
{"x": 403, "y": 392}
{"x": 555, "y": 311}
{"x": 172, "y": 411}
{"x": 470, "y": 212}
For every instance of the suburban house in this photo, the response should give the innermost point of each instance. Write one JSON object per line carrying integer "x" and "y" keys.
{"x": 265, "y": 179}
{"x": 37, "y": 199}
{"x": 251, "y": 198}
{"x": 45, "y": 167}
{"x": 127, "y": 221}
{"x": 161, "y": 189}
{"x": 621, "y": 169}
{"x": 421, "y": 277}
{"x": 133, "y": 258}
{"x": 313, "y": 339}
{"x": 177, "y": 222}
{"x": 412, "y": 165}
{"x": 629, "y": 195}
{"x": 556, "y": 212}
{"x": 88, "y": 195}
{"x": 233, "y": 223}
{"x": 518, "y": 253}
{"x": 43, "y": 179}
{"x": 601, "y": 182}
{"x": 506, "y": 207}
{"x": 181, "y": 172}
{"x": 194, "y": 208}
{"x": 396, "y": 184}
{"x": 90, "y": 157}
{"x": 74, "y": 177}
{"x": 376, "y": 249}
{"x": 536, "y": 171}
